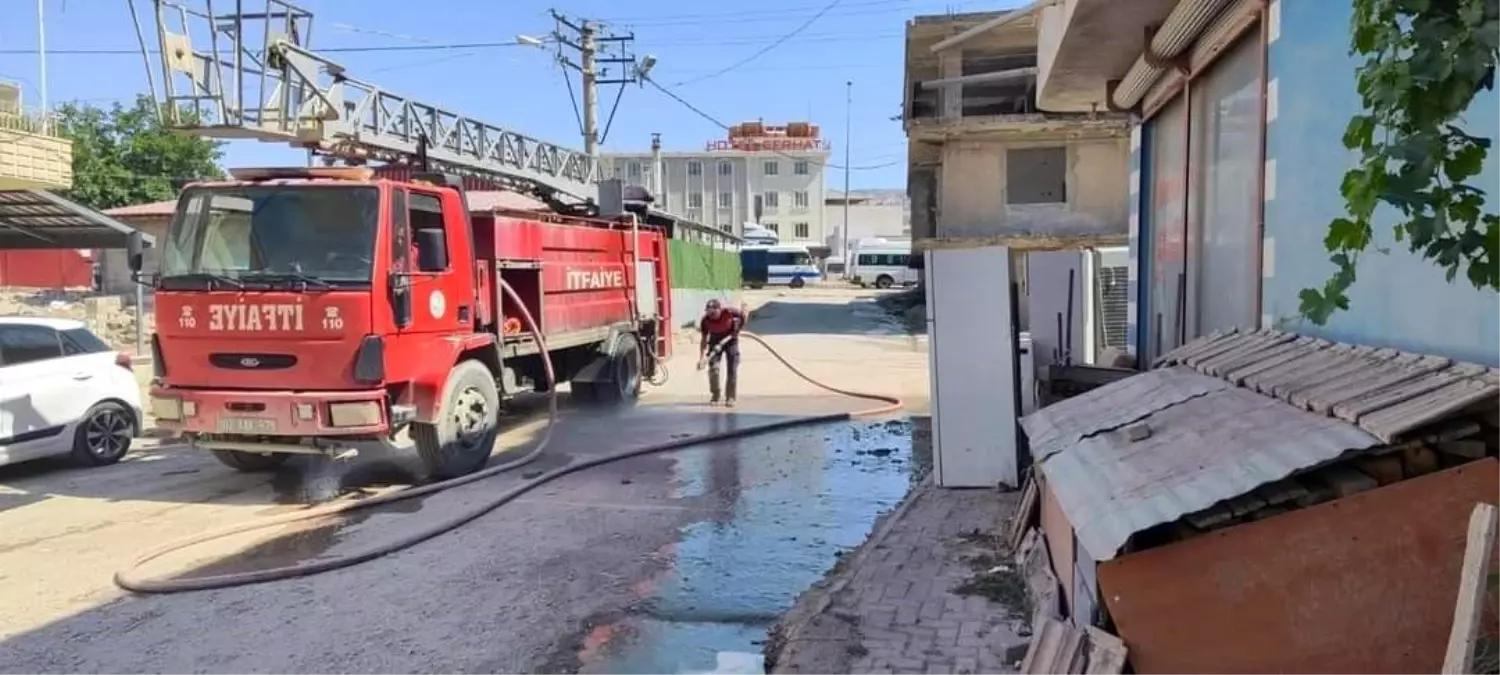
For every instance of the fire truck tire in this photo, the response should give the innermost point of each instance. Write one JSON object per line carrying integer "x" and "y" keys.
{"x": 460, "y": 442}
{"x": 250, "y": 462}
{"x": 624, "y": 386}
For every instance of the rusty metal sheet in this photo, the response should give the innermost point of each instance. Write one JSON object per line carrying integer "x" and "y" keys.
{"x": 1363, "y": 584}
{"x": 1062, "y": 424}
{"x": 1200, "y": 451}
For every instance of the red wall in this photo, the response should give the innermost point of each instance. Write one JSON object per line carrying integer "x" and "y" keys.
{"x": 60, "y": 268}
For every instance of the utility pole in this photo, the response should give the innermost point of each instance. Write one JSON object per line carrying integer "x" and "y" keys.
{"x": 848, "y": 136}
{"x": 585, "y": 37}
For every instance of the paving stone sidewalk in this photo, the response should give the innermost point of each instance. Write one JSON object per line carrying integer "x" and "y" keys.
{"x": 889, "y": 606}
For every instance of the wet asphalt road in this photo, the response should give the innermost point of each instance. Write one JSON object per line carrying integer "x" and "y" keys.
{"x": 676, "y": 562}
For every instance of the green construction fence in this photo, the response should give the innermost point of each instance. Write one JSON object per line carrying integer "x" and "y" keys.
{"x": 703, "y": 266}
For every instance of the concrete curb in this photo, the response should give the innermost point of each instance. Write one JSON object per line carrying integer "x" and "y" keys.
{"x": 788, "y": 631}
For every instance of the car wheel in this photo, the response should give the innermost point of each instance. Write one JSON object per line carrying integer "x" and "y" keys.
{"x": 884, "y": 282}
{"x": 104, "y": 435}
{"x": 797, "y": 283}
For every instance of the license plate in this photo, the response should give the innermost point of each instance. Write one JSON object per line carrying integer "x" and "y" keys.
{"x": 247, "y": 425}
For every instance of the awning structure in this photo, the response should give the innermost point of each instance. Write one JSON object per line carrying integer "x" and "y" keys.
{"x": 37, "y": 219}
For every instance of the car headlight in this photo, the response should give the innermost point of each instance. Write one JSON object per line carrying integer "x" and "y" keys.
{"x": 359, "y": 414}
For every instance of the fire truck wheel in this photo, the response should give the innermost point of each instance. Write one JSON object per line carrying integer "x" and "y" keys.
{"x": 625, "y": 371}
{"x": 461, "y": 440}
{"x": 250, "y": 462}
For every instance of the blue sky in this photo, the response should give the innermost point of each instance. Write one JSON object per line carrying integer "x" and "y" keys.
{"x": 522, "y": 88}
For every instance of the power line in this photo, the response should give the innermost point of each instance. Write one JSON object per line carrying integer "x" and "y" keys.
{"x": 459, "y": 46}
{"x": 762, "y": 51}
{"x": 699, "y": 111}
{"x": 771, "y": 16}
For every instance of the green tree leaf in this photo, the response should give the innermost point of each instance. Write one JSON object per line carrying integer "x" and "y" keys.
{"x": 125, "y": 156}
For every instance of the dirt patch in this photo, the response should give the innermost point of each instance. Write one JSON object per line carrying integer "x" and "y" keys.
{"x": 112, "y": 317}
{"x": 994, "y": 578}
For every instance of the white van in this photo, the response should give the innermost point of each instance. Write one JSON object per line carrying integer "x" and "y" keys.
{"x": 883, "y": 266}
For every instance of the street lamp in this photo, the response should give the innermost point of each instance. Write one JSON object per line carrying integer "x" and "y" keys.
{"x": 530, "y": 41}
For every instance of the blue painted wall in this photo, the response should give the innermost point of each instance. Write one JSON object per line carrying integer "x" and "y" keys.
{"x": 1133, "y": 270}
{"x": 1400, "y": 300}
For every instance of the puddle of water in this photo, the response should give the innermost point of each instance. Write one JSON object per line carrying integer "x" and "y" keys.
{"x": 778, "y": 512}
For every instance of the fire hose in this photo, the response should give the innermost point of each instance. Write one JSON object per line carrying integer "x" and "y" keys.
{"x": 132, "y": 579}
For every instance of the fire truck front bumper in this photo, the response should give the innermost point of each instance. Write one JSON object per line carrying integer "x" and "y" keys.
{"x": 269, "y": 419}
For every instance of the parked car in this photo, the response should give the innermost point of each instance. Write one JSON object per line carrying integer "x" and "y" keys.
{"x": 64, "y": 391}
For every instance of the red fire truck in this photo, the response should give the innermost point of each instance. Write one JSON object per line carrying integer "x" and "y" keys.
{"x": 303, "y": 310}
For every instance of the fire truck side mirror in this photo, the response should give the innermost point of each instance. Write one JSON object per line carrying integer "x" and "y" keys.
{"x": 432, "y": 249}
{"x": 135, "y": 251}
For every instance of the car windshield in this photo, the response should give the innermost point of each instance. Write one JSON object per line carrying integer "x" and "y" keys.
{"x": 297, "y": 234}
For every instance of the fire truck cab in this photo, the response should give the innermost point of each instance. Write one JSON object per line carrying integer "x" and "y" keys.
{"x": 304, "y": 310}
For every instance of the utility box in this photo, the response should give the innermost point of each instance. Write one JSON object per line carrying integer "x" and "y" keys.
{"x": 972, "y": 344}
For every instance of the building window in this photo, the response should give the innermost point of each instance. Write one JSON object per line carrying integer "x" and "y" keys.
{"x": 695, "y": 168}
{"x": 695, "y": 200}
{"x": 799, "y": 199}
{"x": 634, "y": 170}
{"x": 799, "y": 230}
{"x": 774, "y": 227}
{"x": 800, "y": 168}
{"x": 772, "y": 167}
{"x": 725, "y": 227}
{"x": 726, "y": 169}
{"x": 771, "y": 201}
{"x": 1036, "y": 176}
{"x": 726, "y": 200}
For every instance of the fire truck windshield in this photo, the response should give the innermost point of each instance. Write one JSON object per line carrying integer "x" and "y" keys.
{"x": 272, "y": 235}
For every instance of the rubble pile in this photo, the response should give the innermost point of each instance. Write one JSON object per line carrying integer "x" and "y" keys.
{"x": 112, "y": 317}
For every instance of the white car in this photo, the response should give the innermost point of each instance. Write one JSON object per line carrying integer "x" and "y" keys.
{"x": 64, "y": 391}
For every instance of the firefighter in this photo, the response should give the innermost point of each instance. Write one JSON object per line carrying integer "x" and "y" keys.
{"x": 720, "y": 330}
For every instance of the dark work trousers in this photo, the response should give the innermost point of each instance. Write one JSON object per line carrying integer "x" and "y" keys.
{"x": 730, "y": 353}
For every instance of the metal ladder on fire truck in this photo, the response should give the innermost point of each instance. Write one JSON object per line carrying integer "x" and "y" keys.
{"x": 260, "y": 80}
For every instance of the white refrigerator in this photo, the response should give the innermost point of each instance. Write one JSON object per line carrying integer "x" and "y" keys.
{"x": 972, "y": 363}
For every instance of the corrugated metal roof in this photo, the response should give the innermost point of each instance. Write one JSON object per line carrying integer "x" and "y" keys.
{"x": 1208, "y": 442}
{"x": 37, "y": 219}
{"x": 1058, "y": 426}
{"x": 1386, "y": 392}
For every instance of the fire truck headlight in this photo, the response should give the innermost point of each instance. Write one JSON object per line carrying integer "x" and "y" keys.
{"x": 305, "y": 412}
{"x": 361, "y": 414}
{"x": 169, "y": 409}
